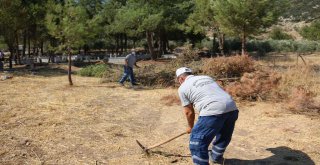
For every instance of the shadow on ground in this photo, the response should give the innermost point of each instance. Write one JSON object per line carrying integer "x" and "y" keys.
{"x": 282, "y": 156}
{"x": 44, "y": 70}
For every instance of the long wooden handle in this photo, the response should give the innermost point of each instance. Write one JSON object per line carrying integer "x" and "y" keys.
{"x": 161, "y": 143}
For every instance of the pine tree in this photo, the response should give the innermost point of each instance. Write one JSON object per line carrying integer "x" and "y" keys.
{"x": 68, "y": 23}
{"x": 246, "y": 17}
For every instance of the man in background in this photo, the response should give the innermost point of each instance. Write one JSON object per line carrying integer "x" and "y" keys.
{"x": 1, "y": 60}
{"x": 130, "y": 61}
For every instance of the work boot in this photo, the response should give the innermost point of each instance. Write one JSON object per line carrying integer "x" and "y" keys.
{"x": 213, "y": 161}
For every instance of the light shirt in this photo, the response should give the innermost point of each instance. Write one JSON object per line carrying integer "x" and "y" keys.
{"x": 132, "y": 59}
{"x": 206, "y": 96}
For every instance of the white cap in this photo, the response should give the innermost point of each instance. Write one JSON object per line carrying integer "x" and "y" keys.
{"x": 182, "y": 70}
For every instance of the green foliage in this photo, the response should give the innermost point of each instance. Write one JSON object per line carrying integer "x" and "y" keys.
{"x": 93, "y": 70}
{"x": 265, "y": 46}
{"x": 311, "y": 32}
{"x": 246, "y": 16}
{"x": 69, "y": 23}
{"x": 306, "y": 10}
{"x": 3, "y": 45}
{"x": 278, "y": 34}
{"x": 202, "y": 17}
{"x": 284, "y": 46}
{"x": 12, "y": 20}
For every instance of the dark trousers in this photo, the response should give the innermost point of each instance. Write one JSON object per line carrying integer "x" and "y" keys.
{"x": 1, "y": 65}
{"x": 128, "y": 72}
{"x": 208, "y": 127}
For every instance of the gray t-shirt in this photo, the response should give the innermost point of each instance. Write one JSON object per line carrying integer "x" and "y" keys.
{"x": 206, "y": 95}
{"x": 132, "y": 59}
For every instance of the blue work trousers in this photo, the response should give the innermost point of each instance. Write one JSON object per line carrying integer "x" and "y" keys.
{"x": 208, "y": 127}
{"x": 128, "y": 72}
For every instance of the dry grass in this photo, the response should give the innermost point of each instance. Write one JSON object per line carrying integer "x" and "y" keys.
{"x": 44, "y": 121}
{"x": 171, "y": 100}
{"x": 301, "y": 85}
{"x": 300, "y": 76}
{"x": 276, "y": 60}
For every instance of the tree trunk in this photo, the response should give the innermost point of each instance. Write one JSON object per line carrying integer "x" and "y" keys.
{"x": 214, "y": 44}
{"x": 165, "y": 41}
{"x": 34, "y": 50}
{"x": 126, "y": 42}
{"x": 29, "y": 45}
{"x": 69, "y": 67}
{"x": 117, "y": 44}
{"x": 221, "y": 42}
{"x": 150, "y": 45}
{"x": 11, "y": 49}
{"x": 24, "y": 43}
{"x": 134, "y": 43}
{"x": 41, "y": 48}
{"x": 17, "y": 56}
{"x": 243, "y": 44}
{"x": 162, "y": 42}
{"x": 121, "y": 39}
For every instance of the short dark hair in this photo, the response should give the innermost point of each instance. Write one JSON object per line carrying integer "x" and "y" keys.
{"x": 186, "y": 74}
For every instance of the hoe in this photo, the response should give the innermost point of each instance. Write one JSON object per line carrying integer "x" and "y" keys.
{"x": 146, "y": 149}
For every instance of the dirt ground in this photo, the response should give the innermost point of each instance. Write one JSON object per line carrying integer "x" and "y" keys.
{"x": 43, "y": 121}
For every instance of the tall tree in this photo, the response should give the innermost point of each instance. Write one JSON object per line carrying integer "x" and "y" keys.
{"x": 246, "y": 17}
{"x": 151, "y": 18}
{"x": 12, "y": 18}
{"x": 35, "y": 29}
{"x": 201, "y": 20}
{"x": 67, "y": 21}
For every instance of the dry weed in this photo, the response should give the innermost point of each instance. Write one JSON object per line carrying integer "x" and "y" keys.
{"x": 234, "y": 66}
{"x": 302, "y": 101}
{"x": 300, "y": 85}
{"x": 188, "y": 55}
{"x": 300, "y": 76}
{"x": 254, "y": 86}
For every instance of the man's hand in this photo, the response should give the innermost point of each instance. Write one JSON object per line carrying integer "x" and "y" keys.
{"x": 189, "y": 129}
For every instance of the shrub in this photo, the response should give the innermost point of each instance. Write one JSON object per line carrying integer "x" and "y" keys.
{"x": 306, "y": 46}
{"x": 209, "y": 44}
{"x": 261, "y": 47}
{"x": 93, "y": 70}
{"x": 282, "y": 45}
{"x": 156, "y": 76}
{"x": 188, "y": 55}
{"x": 113, "y": 73}
{"x": 311, "y": 32}
{"x": 278, "y": 34}
{"x": 234, "y": 66}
